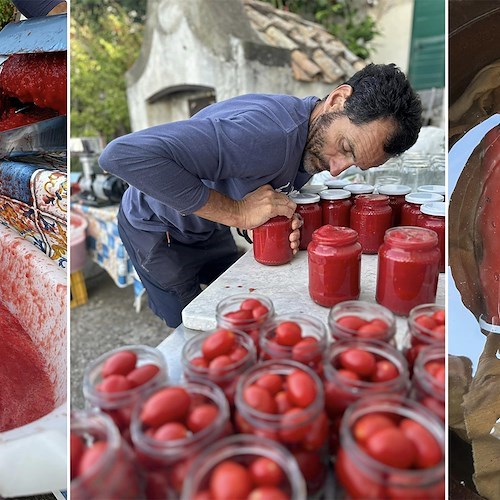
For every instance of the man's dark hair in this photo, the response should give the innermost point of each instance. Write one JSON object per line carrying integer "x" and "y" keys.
{"x": 383, "y": 91}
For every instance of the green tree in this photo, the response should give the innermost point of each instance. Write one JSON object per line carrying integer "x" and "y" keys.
{"x": 101, "y": 52}
{"x": 7, "y": 12}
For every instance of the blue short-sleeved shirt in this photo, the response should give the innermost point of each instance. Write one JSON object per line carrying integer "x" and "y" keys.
{"x": 35, "y": 8}
{"x": 233, "y": 147}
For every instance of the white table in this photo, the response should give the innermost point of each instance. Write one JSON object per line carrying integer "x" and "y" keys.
{"x": 286, "y": 286}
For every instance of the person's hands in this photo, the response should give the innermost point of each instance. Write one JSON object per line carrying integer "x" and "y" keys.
{"x": 297, "y": 223}
{"x": 261, "y": 205}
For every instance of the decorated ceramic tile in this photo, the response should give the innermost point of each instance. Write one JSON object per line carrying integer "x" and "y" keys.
{"x": 54, "y": 231}
{"x": 50, "y": 189}
{"x": 22, "y": 219}
{"x": 15, "y": 181}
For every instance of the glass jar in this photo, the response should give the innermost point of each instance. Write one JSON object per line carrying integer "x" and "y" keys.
{"x": 357, "y": 319}
{"x": 359, "y": 188}
{"x": 371, "y": 216}
{"x": 336, "y": 207}
{"x": 168, "y": 459}
{"x": 228, "y": 313}
{"x": 222, "y": 369}
{"x": 271, "y": 242}
{"x": 309, "y": 209}
{"x": 102, "y": 464}
{"x": 411, "y": 209}
{"x": 396, "y": 194}
{"x": 429, "y": 378}
{"x": 283, "y": 478}
{"x": 433, "y": 216}
{"x": 300, "y": 338}
{"x": 416, "y": 434}
{"x": 334, "y": 258}
{"x": 336, "y": 183}
{"x": 118, "y": 404}
{"x": 298, "y": 422}
{"x": 349, "y": 375}
{"x": 408, "y": 269}
{"x": 426, "y": 326}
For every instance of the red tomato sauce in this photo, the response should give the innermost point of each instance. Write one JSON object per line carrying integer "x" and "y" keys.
{"x": 26, "y": 393}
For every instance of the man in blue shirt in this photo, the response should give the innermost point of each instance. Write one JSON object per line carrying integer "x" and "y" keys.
{"x": 233, "y": 164}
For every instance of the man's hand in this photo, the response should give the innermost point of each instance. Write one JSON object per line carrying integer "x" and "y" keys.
{"x": 297, "y": 223}
{"x": 261, "y": 205}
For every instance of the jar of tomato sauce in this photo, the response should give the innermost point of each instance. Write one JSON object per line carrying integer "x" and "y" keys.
{"x": 336, "y": 207}
{"x": 371, "y": 216}
{"x": 271, "y": 243}
{"x": 408, "y": 269}
{"x": 115, "y": 381}
{"x": 283, "y": 401}
{"x": 334, "y": 258}
{"x": 309, "y": 209}
{"x": 171, "y": 426}
{"x": 390, "y": 447}
{"x": 245, "y": 466}
{"x": 98, "y": 453}
{"x": 411, "y": 209}
{"x": 396, "y": 194}
{"x": 433, "y": 217}
{"x": 429, "y": 379}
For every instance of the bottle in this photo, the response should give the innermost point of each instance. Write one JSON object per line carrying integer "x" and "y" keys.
{"x": 433, "y": 217}
{"x": 271, "y": 243}
{"x": 411, "y": 209}
{"x": 408, "y": 269}
{"x": 371, "y": 216}
{"x": 336, "y": 207}
{"x": 334, "y": 258}
{"x": 396, "y": 194}
{"x": 309, "y": 209}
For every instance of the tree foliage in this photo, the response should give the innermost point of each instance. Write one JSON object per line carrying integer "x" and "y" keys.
{"x": 105, "y": 42}
{"x": 345, "y": 19}
{"x": 7, "y": 12}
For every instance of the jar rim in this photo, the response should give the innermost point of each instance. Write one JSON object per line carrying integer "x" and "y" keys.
{"x": 394, "y": 189}
{"x": 359, "y": 188}
{"x": 337, "y": 183}
{"x": 304, "y": 198}
{"x": 435, "y": 208}
{"x": 411, "y": 237}
{"x": 335, "y": 235}
{"x": 432, "y": 188}
{"x": 421, "y": 198}
{"x": 367, "y": 199}
{"x": 335, "y": 194}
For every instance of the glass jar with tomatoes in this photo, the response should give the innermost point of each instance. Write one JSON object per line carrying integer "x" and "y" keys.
{"x": 426, "y": 326}
{"x": 334, "y": 258}
{"x": 408, "y": 269}
{"x": 244, "y": 466}
{"x": 283, "y": 401}
{"x": 300, "y": 338}
{"x": 411, "y": 208}
{"x": 171, "y": 426}
{"x": 429, "y": 379}
{"x": 354, "y": 369}
{"x": 309, "y": 208}
{"x": 357, "y": 319}
{"x": 220, "y": 356}
{"x": 396, "y": 194}
{"x": 371, "y": 216}
{"x": 115, "y": 381}
{"x": 247, "y": 312}
{"x": 271, "y": 242}
{"x": 390, "y": 447}
{"x": 102, "y": 463}
{"x": 336, "y": 207}
{"x": 433, "y": 217}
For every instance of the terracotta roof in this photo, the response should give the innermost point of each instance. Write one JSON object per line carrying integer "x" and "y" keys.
{"x": 316, "y": 55}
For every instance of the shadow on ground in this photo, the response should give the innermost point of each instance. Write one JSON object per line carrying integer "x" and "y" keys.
{"x": 108, "y": 320}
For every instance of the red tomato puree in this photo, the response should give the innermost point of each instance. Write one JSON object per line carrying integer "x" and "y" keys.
{"x": 26, "y": 393}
